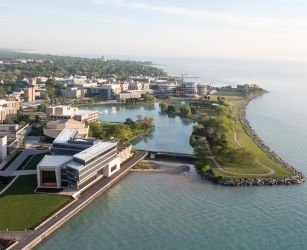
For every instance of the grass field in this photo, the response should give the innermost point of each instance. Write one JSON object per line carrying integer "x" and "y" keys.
{"x": 32, "y": 163}
{"x": 250, "y": 145}
{"x": 21, "y": 208}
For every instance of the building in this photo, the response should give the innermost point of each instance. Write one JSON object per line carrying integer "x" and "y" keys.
{"x": 202, "y": 90}
{"x": 76, "y": 163}
{"x": 164, "y": 89}
{"x": 72, "y": 93}
{"x": 97, "y": 93}
{"x": 64, "y": 112}
{"x": 3, "y": 147}
{"x": 135, "y": 85}
{"x": 123, "y": 97}
{"x": 112, "y": 90}
{"x": 124, "y": 86}
{"x": 15, "y": 133}
{"x": 8, "y": 109}
{"x": 124, "y": 151}
{"x": 54, "y": 128}
{"x": 30, "y": 93}
{"x": 192, "y": 89}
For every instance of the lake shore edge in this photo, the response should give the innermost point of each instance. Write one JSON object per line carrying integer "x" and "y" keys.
{"x": 296, "y": 176}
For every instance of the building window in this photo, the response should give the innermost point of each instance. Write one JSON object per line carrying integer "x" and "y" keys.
{"x": 48, "y": 178}
{"x": 113, "y": 168}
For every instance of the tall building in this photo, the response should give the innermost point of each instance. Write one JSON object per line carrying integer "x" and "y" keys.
{"x": 31, "y": 93}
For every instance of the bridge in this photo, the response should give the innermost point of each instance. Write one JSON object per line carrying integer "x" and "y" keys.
{"x": 171, "y": 156}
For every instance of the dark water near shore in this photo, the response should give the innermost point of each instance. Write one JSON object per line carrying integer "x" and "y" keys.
{"x": 161, "y": 211}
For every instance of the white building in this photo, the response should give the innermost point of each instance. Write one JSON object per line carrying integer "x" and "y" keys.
{"x": 77, "y": 163}
{"x": 64, "y": 112}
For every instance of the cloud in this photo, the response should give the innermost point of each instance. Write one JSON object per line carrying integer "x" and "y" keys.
{"x": 252, "y": 22}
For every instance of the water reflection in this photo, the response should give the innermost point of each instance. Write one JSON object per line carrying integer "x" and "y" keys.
{"x": 171, "y": 133}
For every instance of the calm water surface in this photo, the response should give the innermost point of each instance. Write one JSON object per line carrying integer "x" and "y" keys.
{"x": 171, "y": 134}
{"x": 161, "y": 211}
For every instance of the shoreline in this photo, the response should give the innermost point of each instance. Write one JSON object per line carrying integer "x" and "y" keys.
{"x": 55, "y": 221}
{"x": 296, "y": 177}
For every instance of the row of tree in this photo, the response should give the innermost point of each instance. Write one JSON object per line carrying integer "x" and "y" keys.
{"x": 123, "y": 132}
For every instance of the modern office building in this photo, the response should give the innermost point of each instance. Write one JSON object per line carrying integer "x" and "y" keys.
{"x": 76, "y": 163}
{"x": 72, "y": 93}
{"x": 63, "y": 112}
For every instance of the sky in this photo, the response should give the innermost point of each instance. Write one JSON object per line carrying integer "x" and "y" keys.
{"x": 248, "y": 29}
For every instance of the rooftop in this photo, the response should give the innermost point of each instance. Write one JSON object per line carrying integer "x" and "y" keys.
{"x": 91, "y": 152}
{"x": 54, "y": 160}
{"x": 66, "y": 135}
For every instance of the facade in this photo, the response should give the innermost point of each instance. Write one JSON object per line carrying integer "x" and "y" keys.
{"x": 64, "y": 112}
{"x": 8, "y": 109}
{"x": 202, "y": 90}
{"x": 112, "y": 90}
{"x": 164, "y": 89}
{"x": 15, "y": 133}
{"x": 76, "y": 163}
{"x": 135, "y": 85}
{"x": 124, "y": 151}
{"x": 3, "y": 147}
{"x": 124, "y": 86}
{"x": 71, "y": 93}
{"x": 122, "y": 97}
{"x": 54, "y": 128}
{"x": 31, "y": 93}
{"x": 192, "y": 89}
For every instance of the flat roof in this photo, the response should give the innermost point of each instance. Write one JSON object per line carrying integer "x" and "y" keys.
{"x": 66, "y": 135}
{"x": 54, "y": 160}
{"x": 91, "y": 152}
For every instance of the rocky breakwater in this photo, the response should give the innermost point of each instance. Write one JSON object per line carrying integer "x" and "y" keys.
{"x": 296, "y": 176}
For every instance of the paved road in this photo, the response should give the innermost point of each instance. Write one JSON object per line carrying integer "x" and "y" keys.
{"x": 10, "y": 171}
{"x": 83, "y": 200}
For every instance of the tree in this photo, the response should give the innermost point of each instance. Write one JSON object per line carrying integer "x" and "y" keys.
{"x": 96, "y": 131}
{"x": 171, "y": 109}
{"x": 163, "y": 106}
{"x": 185, "y": 111}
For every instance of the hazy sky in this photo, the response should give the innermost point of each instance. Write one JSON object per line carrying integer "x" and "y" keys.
{"x": 202, "y": 28}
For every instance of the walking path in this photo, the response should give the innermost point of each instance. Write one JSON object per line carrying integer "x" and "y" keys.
{"x": 10, "y": 171}
{"x": 271, "y": 171}
{"x": 220, "y": 167}
{"x": 85, "y": 198}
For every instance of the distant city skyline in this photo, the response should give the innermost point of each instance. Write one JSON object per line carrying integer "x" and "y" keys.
{"x": 272, "y": 29}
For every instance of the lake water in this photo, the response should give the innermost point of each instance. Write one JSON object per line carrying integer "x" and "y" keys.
{"x": 171, "y": 134}
{"x": 161, "y": 211}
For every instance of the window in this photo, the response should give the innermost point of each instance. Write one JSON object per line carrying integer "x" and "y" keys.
{"x": 113, "y": 168}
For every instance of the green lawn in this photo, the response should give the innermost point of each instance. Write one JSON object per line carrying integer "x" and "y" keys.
{"x": 32, "y": 163}
{"x": 250, "y": 145}
{"x": 21, "y": 208}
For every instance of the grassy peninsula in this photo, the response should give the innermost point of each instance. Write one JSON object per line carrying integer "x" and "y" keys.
{"x": 226, "y": 151}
